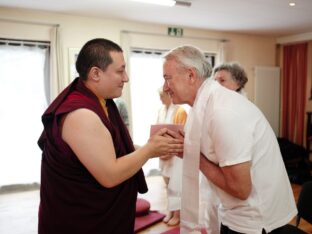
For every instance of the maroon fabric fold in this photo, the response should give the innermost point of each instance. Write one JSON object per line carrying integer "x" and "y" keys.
{"x": 176, "y": 230}
{"x": 145, "y": 221}
{"x": 71, "y": 200}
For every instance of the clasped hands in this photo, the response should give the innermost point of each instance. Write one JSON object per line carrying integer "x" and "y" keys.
{"x": 170, "y": 143}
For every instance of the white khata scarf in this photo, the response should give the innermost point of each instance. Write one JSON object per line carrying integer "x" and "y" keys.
{"x": 190, "y": 181}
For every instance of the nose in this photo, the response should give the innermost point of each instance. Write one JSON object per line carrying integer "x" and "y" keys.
{"x": 165, "y": 86}
{"x": 125, "y": 78}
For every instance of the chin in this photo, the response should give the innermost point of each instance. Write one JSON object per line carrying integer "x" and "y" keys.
{"x": 118, "y": 94}
{"x": 175, "y": 101}
{"x": 178, "y": 101}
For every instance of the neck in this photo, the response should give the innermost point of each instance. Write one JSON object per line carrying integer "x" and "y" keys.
{"x": 194, "y": 91}
{"x": 93, "y": 89}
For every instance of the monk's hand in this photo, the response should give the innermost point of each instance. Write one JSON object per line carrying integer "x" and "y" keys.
{"x": 163, "y": 143}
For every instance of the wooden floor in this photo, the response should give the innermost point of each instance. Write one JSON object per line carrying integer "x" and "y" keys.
{"x": 304, "y": 225}
{"x": 19, "y": 211}
{"x": 157, "y": 197}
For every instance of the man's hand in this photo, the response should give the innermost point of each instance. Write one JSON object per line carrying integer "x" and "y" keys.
{"x": 174, "y": 134}
{"x": 165, "y": 157}
{"x": 177, "y": 135}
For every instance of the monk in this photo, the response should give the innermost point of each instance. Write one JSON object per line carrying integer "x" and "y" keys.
{"x": 90, "y": 172}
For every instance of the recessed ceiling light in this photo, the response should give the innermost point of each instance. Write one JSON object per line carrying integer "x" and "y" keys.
{"x": 292, "y": 4}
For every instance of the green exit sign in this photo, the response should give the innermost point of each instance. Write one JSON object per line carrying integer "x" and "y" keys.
{"x": 175, "y": 32}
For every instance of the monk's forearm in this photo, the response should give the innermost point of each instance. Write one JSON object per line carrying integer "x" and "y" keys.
{"x": 126, "y": 166}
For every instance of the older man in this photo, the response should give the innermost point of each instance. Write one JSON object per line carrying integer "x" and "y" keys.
{"x": 230, "y": 141}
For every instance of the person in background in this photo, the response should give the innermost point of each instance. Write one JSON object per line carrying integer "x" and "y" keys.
{"x": 123, "y": 111}
{"x": 171, "y": 166}
{"x": 231, "y": 76}
{"x": 90, "y": 172}
{"x": 230, "y": 141}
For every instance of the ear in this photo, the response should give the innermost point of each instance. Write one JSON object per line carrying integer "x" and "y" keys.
{"x": 192, "y": 75}
{"x": 94, "y": 74}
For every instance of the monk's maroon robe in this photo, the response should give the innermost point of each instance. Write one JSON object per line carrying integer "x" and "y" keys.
{"x": 71, "y": 200}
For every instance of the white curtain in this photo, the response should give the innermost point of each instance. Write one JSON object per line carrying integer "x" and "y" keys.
{"x": 223, "y": 52}
{"x": 23, "y": 100}
{"x": 57, "y": 82}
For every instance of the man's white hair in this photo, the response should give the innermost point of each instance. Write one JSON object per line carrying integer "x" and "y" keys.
{"x": 191, "y": 57}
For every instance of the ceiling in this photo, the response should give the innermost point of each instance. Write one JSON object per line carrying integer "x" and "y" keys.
{"x": 266, "y": 17}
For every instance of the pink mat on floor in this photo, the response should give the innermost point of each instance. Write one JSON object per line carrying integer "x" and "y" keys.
{"x": 142, "y": 222}
{"x": 177, "y": 231}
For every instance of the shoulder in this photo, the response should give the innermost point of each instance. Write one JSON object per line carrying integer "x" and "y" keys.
{"x": 77, "y": 100}
{"x": 82, "y": 122}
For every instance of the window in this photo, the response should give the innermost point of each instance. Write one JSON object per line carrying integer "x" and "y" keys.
{"x": 146, "y": 77}
{"x": 211, "y": 57}
{"x": 23, "y": 67}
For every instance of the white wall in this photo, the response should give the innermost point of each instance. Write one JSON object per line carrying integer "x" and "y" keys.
{"x": 249, "y": 50}
{"x": 267, "y": 94}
